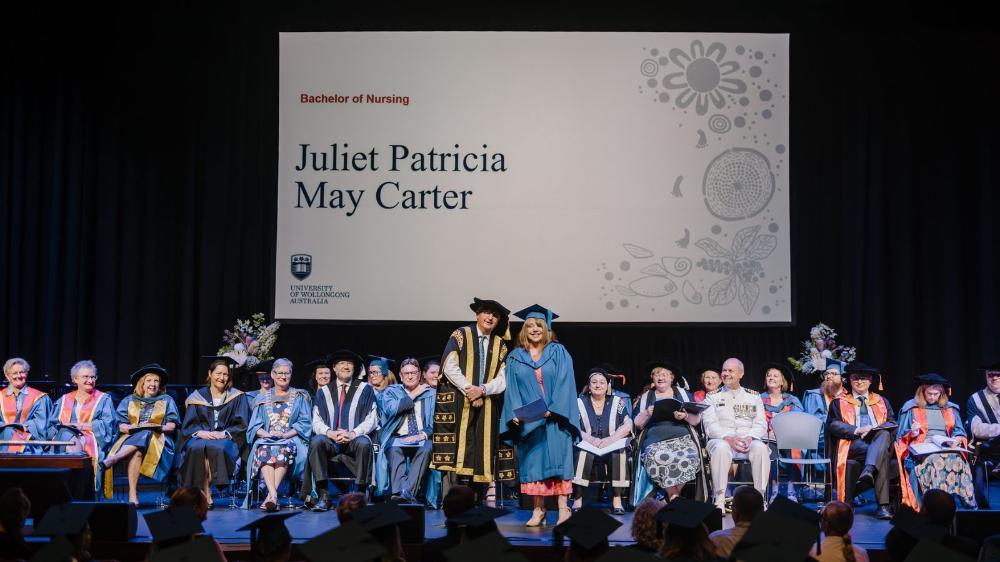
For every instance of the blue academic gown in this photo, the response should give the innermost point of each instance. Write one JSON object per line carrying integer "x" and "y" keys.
{"x": 35, "y": 420}
{"x": 301, "y": 421}
{"x": 545, "y": 446}
{"x": 906, "y": 425}
{"x": 104, "y": 428}
{"x": 393, "y": 403}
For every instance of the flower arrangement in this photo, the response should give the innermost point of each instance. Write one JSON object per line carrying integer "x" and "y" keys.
{"x": 250, "y": 341}
{"x": 821, "y": 345}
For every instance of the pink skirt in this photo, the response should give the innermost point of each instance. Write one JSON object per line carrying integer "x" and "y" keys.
{"x": 548, "y": 487}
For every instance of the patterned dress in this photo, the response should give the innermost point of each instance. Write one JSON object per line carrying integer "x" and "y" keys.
{"x": 278, "y": 453}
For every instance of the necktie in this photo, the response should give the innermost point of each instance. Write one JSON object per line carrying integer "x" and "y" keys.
{"x": 340, "y": 402}
{"x": 411, "y": 421}
{"x": 863, "y": 417}
{"x": 482, "y": 358}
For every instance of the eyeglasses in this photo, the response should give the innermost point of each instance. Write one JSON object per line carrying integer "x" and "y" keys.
{"x": 15, "y": 373}
{"x": 88, "y": 377}
{"x": 282, "y": 373}
{"x": 993, "y": 374}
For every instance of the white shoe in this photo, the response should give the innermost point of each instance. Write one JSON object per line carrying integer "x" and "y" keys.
{"x": 792, "y": 496}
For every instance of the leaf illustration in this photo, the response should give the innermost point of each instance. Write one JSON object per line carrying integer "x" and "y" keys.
{"x": 712, "y": 248}
{"x": 653, "y": 286}
{"x": 743, "y": 240}
{"x": 762, "y": 247}
{"x": 637, "y": 251}
{"x": 748, "y": 293}
{"x": 655, "y": 269}
{"x": 625, "y": 291}
{"x": 690, "y": 293}
{"x": 723, "y": 291}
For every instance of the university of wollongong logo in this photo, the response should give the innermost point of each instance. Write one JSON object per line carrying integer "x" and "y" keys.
{"x": 301, "y": 265}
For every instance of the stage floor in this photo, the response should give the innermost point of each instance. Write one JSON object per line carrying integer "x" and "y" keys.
{"x": 868, "y": 532}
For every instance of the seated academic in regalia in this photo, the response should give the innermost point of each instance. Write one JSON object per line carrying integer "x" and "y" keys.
{"x": 214, "y": 430}
{"x": 147, "y": 421}
{"x": 85, "y": 416}
{"x": 25, "y": 410}
{"x": 983, "y": 418}
{"x": 406, "y": 418}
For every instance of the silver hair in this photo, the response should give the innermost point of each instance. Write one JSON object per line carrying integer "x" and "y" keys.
{"x": 8, "y": 366}
{"x": 409, "y": 361}
{"x": 282, "y": 362}
{"x": 85, "y": 364}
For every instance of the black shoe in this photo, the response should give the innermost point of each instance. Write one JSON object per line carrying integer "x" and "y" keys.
{"x": 883, "y": 513}
{"x": 618, "y": 511}
{"x": 308, "y": 502}
{"x": 397, "y": 498}
{"x": 866, "y": 481}
{"x": 323, "y": 504}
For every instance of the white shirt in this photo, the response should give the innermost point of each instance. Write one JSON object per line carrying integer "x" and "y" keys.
{"x": 418, "y": 411}
{"x": 734, "y": 413}
{"x": 454, "y": 373}
{"x": 363, "y": 428}
{"x": 982, "y": 429}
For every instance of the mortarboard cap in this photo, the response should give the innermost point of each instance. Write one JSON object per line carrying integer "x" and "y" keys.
{"x": 347, "y": 355}
{"x": 491, "y": 547}
{"x": 679, "y": 379}
{"x": 374, "y": 517}
{"x": 932, "y": 378}
{"x": 859, "y": 368}
{"x": 206, "y": 361}
{"x": 198, "y": 549}
{"x": 685, "y": 512}
{"x": 427, "y": 360}
{"x": 65, "y": 519}
{"x": 173, "y": 523}
{"x": 488, "y": 304}
{"x": 383, "y": 362}
{"x": 833, "y": 365}
{"x": 990, "y": 368}
{"x": 774, "y": 536}
{"x": 598, "y": 371}
{"x": 588, "y": 528}
{"x": 150, "y": 368}
{"x": 930, "y": 551}
{"x": 785, "y": 506}
{"x": 59, "y": 549}
{"x": 264, "y": 367}
{"x": 477, "y": 516}
{"x": 317, "y": 363}
{"x": 270, "y": 530}
{"x": 349, "y": 541}
{"x": 537, "y": 311}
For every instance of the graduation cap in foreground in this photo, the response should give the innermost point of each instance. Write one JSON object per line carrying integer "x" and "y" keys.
{"x": 65, "y": 519}
{"x": 477, "y": 516}
{"x": 350, "y": 541}
{"x": 774, "y": 536}
{"x": 491, "y": 547}
{"x": 686, "y": 513}
{"x": 588, "y": 528}
{"x": 374, "y": 517}
{"x": 912, "y": 523}
{"x": 173, "y": 523}
{"x": 198, "y": 549}
{"x": 269, "y": 530}
{"x": 930, "y": 551}
{"x": 59, "y": 549}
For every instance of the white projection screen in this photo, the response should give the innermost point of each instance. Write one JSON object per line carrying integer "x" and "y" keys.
{"x": 612, "y": 177}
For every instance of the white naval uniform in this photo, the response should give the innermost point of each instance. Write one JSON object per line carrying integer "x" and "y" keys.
{"x": 736, "y": 413}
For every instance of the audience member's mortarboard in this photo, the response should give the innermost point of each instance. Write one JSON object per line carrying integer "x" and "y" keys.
{"x": 59, "y": 549}
{"x": 374, "y": 517}
{"x": 488, "y": 304}
{"x": 173, "y": 523}
{"x": 623, "y": 554}
{"x": 588, "y": 527}
{"x": 537, "y": 311}
{"x": 477, "y": 516}
{"x": 198, "y": 549}
{"x": 65, "y": 519}
{"x": 912, "y": 523}
{"x": 269, "y": 529}
{"x": 685, "y": 513}
{"x": 679, "y": 379}
{"x": 930, "y": 551}
{"x": 350, "y": 541}
{"x": 491, "y": 547}
{"x": 773, "y": 536}
{"x": 781, "y": 504}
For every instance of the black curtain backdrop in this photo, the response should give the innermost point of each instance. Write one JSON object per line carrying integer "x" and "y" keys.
{"x": 138, "y": 155}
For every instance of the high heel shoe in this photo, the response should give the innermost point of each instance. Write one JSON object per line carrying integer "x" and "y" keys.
{"x": 537, "y": 519}
{"x": 564, "y": 514}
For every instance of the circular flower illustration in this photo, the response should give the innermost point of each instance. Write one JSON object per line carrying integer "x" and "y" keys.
{"x": 738, "y": 184}
{"x": 704, "y": 77}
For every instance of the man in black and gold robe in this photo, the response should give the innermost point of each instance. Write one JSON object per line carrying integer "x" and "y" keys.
{"x": 469, "y": 400}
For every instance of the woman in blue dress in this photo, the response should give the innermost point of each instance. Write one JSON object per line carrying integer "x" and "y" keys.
{"x": 778, "y": 381}
{"x": 147, "y": 421}
{"x": 540, "y": 368}
{"x": 279, "y": 432}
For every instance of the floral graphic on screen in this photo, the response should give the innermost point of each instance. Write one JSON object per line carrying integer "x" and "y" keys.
{"x": 738, "y": 184}
{"x": 740, "y": 265}
{"x": 659, "y": 278}
{"x": 704, "y": 77}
